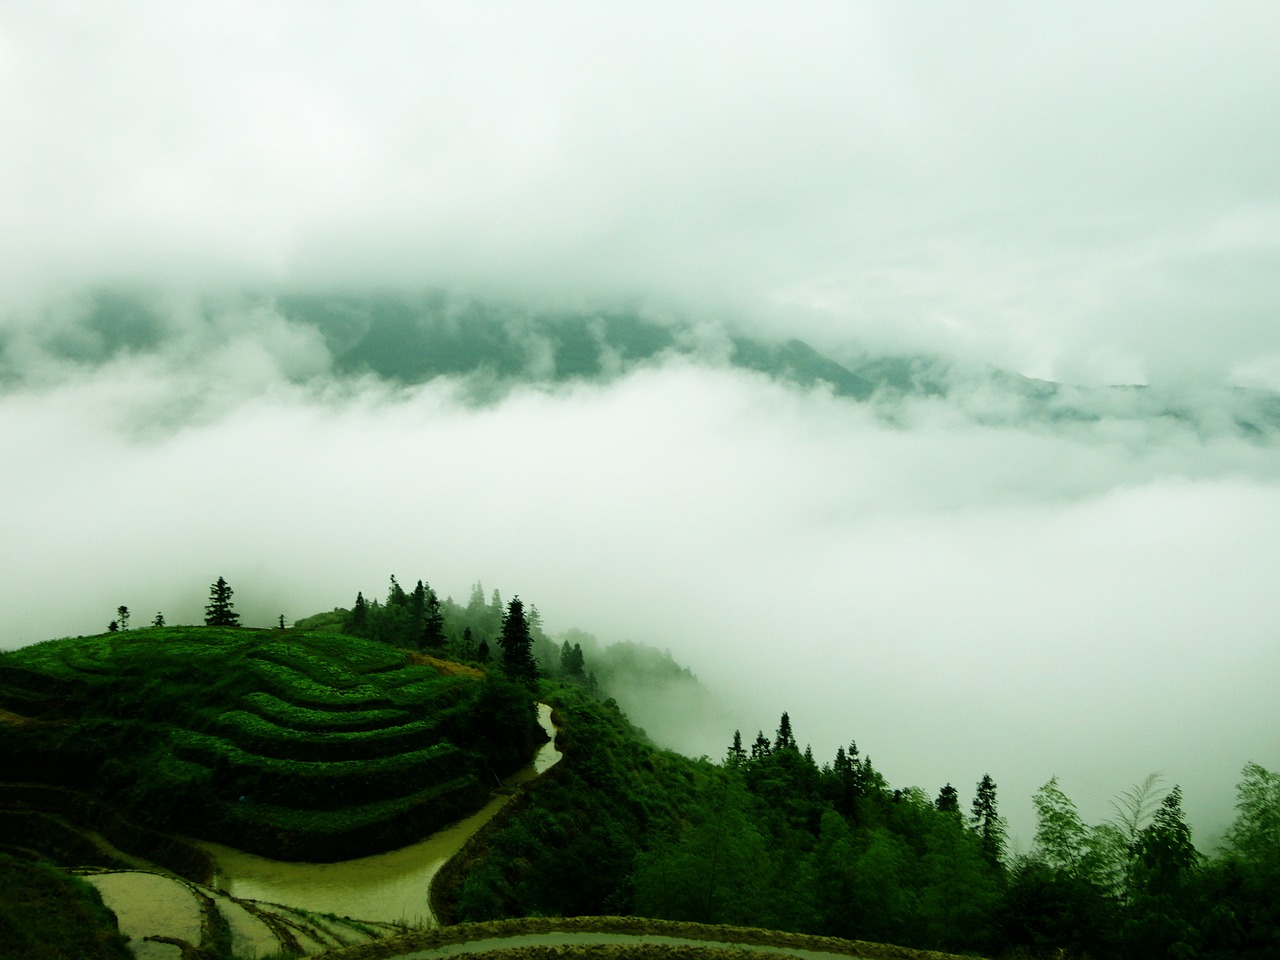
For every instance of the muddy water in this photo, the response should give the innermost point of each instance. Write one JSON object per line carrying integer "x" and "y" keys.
{"x": 387, "y": 886}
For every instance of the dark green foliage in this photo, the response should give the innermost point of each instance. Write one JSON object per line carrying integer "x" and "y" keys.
{"x": 358, "y": 623}
{"x": 986, "y": 821}
{"x": 710, "y": 871}
{"x": 220, "y": 611}
{"x": 413, "y": 620}
{"x": 333, "y": 741}
{"x": 784, "y": 740}
{"x": 573, "y": 665}
{"x": 433, "y": 627}
{"x": 948, "y": 800}
{"x": 736, "y": 756}
{"x": 586, "y": 819}
{"x": 46, "y": 914}
{"x": 1164, "y": 853}
{"x": 517, "y": 644}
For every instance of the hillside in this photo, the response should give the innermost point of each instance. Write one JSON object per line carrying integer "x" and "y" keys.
{"x": 290, "y": 744}
{"x": 321, "y": 746}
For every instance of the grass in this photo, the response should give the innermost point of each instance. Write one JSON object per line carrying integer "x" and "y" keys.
{"x": 46, "y": 914}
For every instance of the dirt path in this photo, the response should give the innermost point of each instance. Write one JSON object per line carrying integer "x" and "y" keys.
{"x": 621, "y": 938}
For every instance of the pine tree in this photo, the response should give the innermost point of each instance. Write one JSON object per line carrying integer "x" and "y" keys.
{"x": 948, "y": 800}
{"x": 219, "y": 612}
{"x": 517, "y": 644}
{"x": 396, "y": 597}
{"x": 159, "y": 620}
{"x": 784, "y": 739}
{"x": 433, "y": 637}
{"x": 761, "y": 748}
{"x": 358, "y": 621}
{"x": 482, "y": 651}
{"x": 1164, "y": 851}
{"x": 572, "y": 663}
{"x": 122, "y": 615}
{"x": 737, "y": 755}
{"x": 986, "y": 821}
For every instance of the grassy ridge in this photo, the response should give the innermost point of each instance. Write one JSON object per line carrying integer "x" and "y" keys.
{"x": 286, "y": 743}
{"x": 47, "y": 915}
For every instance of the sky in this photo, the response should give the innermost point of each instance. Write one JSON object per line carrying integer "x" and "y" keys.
{"x": 1089, "y": 195}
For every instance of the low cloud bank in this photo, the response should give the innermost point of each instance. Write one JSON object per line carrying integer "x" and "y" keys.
{"x": 1091, "y": 598}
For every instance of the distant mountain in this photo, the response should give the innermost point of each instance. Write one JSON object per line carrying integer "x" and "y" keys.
{"x": 491, "y": 347}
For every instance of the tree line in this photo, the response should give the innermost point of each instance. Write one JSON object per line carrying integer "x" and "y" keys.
{"x": 832, "y": 849}
{"x": 770, "y": 837}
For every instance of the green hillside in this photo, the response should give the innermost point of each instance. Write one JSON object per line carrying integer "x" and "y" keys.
{"x": 290, "y": 744}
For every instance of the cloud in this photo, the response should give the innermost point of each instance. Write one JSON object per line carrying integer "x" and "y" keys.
{"x": 1085, "y": 599}
{"x": 1084, "y": 195}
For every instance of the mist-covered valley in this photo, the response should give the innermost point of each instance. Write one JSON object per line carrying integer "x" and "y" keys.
{"x": 964, "y": 570}
{"x": 909, "y": 368}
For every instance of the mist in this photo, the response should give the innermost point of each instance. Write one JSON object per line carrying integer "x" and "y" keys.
{"x": 980, "y": 576}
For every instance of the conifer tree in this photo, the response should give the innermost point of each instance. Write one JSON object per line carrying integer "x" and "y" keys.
{"x": 219, "y": 612}
{"x": 122, "y": 615}
{"x": 737, "y": 755}
{"x": 517, "y": 644}
{"x": 572, "y": 663}
{"x": 948, "y": 800}
{"x": 1164, "y": 852}
{"x": 784, "y": 740}
{"x": 358, "y": 621}
{"x": 761, "y": 748}
{"x": 396, "y": 597}
{"x": 159, "y": 620}
{"x": 433, "y": 637}
{"x": 986, "y": 821}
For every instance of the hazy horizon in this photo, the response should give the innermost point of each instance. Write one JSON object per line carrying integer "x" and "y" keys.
{"x": 966, "y": 579}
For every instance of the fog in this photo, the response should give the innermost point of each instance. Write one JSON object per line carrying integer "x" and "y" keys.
{"x": 1088, "y": 196}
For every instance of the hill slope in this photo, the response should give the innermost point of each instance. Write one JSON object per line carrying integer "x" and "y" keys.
{"x": 290, "y": 744}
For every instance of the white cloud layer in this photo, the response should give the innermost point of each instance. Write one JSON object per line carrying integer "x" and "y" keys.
{"x": 1087, "y": 601}
{"x": 1090, "y": 193}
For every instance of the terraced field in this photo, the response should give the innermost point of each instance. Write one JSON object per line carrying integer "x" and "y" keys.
{"x": 293, "y": 745}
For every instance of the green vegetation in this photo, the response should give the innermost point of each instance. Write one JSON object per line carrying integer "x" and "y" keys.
{"x": 771, "y": 838}
{"x": 286, "y": 743}
{"x": 47, "y": 915}
{"x": 321, "y": 745}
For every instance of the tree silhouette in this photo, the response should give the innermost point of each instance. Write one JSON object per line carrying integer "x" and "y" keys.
{"x": 122, "y": 615}
{"x": 220, "y": 612}
{"x": 784, "y": 740}
{"x": 986, "y": 821}
{"x": 948, "y": 800}
{"x": 159, "y": 620}
{"x": 517, "y": 643}
{"x": 432, "y": 613}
